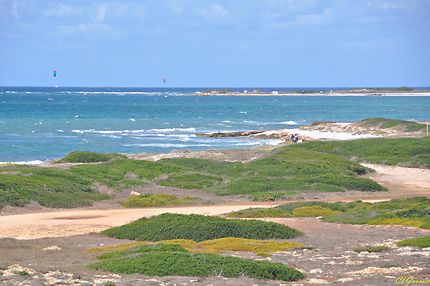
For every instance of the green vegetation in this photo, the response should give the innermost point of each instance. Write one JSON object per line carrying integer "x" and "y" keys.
{"x": 89, "y": 157}
{"x": 408, "y": 212}
{"x": 50, "y": 187}
{"x": 220, "y": 245}
{"x": 199, "y": 228}
{"x": 384, "y": 123}
{"x": 172, "y": 259}
{"x": 148, "y": 200}
{"x": 409, "y": 152}
{"x": 369, "y": 248}
{"x": 285, "y": 172}
{"x": 422, "y": 242}
{"x": 191, "y": 181}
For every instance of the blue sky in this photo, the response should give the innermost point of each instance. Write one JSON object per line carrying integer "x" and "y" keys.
{"x": 281, "y": 43}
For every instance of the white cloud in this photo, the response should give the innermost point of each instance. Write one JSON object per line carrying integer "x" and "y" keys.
{"x": 215, "y": 11}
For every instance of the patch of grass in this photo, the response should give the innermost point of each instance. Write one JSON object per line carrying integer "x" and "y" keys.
{"x": 410, "y": 152}
{"x": 149, "y": 200}
{"x": 23, "y": 273}
{"x": 89, "y": 157}
{"x": 410, "y": 212}
{"x": 283, "y": 173}
{"x": 199, "y": 228}
{"x": 385, "y": 123}
{"x": 219, "y": 245}
{"x": 259, "y": 213}
{"x": 312, "y": 211}
{"x": 369, "y": 248}
{"x": 174, "y": 260}
{"x": 50, "y": 187}
{"x": 191, "y": 181}
{"x": 116, "y": 173}
{"x": 422, "y": 242}
{"x": 397, "y": 221}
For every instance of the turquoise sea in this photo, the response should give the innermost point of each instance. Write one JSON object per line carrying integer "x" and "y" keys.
{"x": 45, "y": 123}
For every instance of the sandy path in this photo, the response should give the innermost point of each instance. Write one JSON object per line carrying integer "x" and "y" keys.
{"x": 82, "y": 221}
{"x": 402, "y": 182}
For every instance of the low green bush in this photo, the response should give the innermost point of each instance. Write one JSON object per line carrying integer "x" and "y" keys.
{"x": 407, "y": 212}
{"x": 369, "y": 248}
{"x": 89, "y": 157}
{"x": 49, "y": 187}
{"x": 410, "y": 152}
{"x": 191, "y": 181}
{"x": 173, "y": 260}
{"x": 422, "y": 242}
{"x": 199, "y": 228}
{"x": 149, "y": 200}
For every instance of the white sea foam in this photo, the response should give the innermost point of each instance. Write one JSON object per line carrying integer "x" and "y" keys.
{"x": 132, "y": 119}
{"x": 290, "y": 122}
{"x": 33, "y": 162}
{"x": 167, "y": 145}
{"x": 173, "y": 130}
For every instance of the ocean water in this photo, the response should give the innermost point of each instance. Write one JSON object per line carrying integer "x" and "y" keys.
{"x": 47, "y": 123}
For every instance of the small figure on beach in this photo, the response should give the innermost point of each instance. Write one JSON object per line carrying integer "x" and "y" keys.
{"x": 294, "y": 138}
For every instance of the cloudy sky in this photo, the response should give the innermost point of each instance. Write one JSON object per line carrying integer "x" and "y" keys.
{"x": 283, "y": 43}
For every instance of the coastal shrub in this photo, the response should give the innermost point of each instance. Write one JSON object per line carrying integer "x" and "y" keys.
{"x": 156, "y": 260}
{"x": 219, "y": 245}
{"x": 49, "y": 187}
{"x": 199, "y": 228}
{"x": 283, "y": 173}
{"x": 410, "y": 152}
{"x": 407, "y": 212}
{"x": 422, "y": 242}
{"x": 272, "y": 196}
{"x": 312, "y": 211}
{"x": 370, "y": 248}
{"x": 385, "y": 123}
{"x": 89, "y": 157}
{"x": 191, "y": 181}
{"x": 116, "y": 173}
{"x": 149, "y": 200}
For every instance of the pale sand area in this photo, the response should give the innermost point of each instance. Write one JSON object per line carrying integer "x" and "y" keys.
{"x": 401, "y": 182}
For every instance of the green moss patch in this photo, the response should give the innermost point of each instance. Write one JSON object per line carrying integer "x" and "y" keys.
{"x": 89, "y": 157}
{"x": 422, "y": 242}
{"x": 369, "y": 248}
{"x": 149, "y": 200}
{"x": 407, "y": 212}
{"x": 199, "y": 228}
{"x": 385, "y": 123}
{"x": 191, "y": 181}
{"x": 170, "y": 260}
{"x": 410, "y": 152}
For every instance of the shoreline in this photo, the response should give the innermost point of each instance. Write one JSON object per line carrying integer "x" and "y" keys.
{"x": 331, "y": 94}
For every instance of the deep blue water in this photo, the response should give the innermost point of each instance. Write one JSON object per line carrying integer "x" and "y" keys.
{"x": 47, "y": 123}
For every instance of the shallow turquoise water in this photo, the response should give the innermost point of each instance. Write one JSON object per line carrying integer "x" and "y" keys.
{"x": 47, "y": 123}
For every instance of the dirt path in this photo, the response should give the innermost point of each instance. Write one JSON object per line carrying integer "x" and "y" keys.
{"x": 401, "y": 182}
{"x": 82, "y": 221}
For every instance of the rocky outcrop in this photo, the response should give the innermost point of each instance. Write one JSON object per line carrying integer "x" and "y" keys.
{"x": 282, "y": 134}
